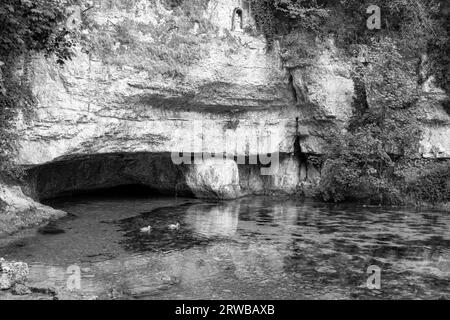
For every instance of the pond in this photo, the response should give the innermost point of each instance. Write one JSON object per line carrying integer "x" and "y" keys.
{"x": 252, "y": 248}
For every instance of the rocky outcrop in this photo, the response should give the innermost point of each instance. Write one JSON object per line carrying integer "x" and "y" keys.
{"x": 324, "y": 93}
{"x": 12, "y": 273}
{"x": 435, "y": 120}
{"x": 114, "y": 116}
{"x": 235, "y": 92}
{"x": 235, "y": 99}
{"x": 18, "y": 211}
{"x": 214, "y": 178}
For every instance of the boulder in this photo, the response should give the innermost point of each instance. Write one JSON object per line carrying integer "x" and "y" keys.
{"x": 12, "y": 273}
{"x": 18, "y": 211}
{"x": 214, "y": 179}
{"x": 20, "y": 290}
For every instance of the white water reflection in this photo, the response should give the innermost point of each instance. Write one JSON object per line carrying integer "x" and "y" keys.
{"x": 218, "y": 220}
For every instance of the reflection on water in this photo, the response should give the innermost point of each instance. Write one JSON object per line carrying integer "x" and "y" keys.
{"x": 219, "y": 220}
{"x": 247, "y": 249}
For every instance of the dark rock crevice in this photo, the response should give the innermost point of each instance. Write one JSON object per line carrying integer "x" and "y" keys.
{"x": 298, "y": 89}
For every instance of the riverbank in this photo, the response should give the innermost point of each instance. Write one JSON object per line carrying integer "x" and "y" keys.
{"x": 438, "y": 206}
{"x": 18, "y": 211}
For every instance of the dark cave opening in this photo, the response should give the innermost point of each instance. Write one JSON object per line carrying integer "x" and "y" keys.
{"x": 293, "y": 90}
{"x": 113, "y": 175}
{"x": 134, "y": 190}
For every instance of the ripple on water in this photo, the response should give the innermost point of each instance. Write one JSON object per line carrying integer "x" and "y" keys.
{"x": 247, "y": 249}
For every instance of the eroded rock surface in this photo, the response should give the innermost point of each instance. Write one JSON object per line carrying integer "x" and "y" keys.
{"x": 12, "y": 273}
{"x": 214, "y": 179}
{"x": 232, "y": 96}
{"x": 18, "y": 211}
{"x": 236, "y": 91}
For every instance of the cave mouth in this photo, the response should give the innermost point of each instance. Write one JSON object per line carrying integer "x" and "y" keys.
{"x": 112, "y": 175}
{"x": 134, "y": 190}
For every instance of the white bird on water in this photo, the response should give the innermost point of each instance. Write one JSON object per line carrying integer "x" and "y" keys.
{"x": 174, "y": 226}
{"x": 147, "y": 229}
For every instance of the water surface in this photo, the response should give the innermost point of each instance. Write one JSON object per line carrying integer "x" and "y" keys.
{"x": 255, "y": 248}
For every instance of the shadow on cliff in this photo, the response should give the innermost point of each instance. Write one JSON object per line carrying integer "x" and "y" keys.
{"x": 108, "y": 174}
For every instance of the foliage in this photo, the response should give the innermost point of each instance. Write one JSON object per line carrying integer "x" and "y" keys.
{"x": 384, "y": 133}
{"x": 431, "y": 184}
{"x": 166, "y": 47}
{"x": 35, "y": 26}
{"x": 264, "y": 15}
{"x": 389, "y": 67}
{"x": 415, "y": 26}
{"x": 439, "y": 48}
{"x": 299, "y": 48}
{"x": 275, "y": 18}
{"x": 355, "y": 166}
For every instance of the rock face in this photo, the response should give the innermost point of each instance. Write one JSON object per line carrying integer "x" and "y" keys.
{"x": 211, "y": 178}
{"x": 324, "y": 92}
{"x": 215, "y": 179}
{"x": 12, "y": 273}
{"x": 435, "y": 121}
{"x": 235, "y": 96}
{"x": 112, "y": 117}
{"x": 18, "y": 211}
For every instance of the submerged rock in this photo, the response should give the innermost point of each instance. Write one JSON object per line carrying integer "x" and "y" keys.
{"x": 50, "y": 229}
{"x": 12, "y": 273}
{"x": 20, "y": 290}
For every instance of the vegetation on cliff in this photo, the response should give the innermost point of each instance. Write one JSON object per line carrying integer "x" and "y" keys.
{"x": 166, "y": 37}
{"x": 26, "y": 27}
{"x": 378, "y": 157}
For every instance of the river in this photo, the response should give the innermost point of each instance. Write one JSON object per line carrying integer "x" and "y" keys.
{"x": 253, "y": 248}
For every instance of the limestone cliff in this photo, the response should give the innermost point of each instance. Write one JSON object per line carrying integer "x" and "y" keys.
{"x": 150, "y": 80}
{"x": 20, "y": 211}
{"x": 234, "y": 97}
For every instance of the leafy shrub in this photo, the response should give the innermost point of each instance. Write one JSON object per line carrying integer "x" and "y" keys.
{"x": 356, "y": 166}
{"x": 383, "y": 133}
{"x": 165, "y": 48}
{"x": 276, "y": 18}
{"x": 34, "y": 26}
{"x": 417, "y": 26}
{"x": 365, "y": 162}
{"x": 432, "y": 184}
{"x": 299, "y": 48}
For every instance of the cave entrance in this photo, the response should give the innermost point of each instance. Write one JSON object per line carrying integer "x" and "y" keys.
{"x": 134, "y": 174}
{"x": 126, "y": 190}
